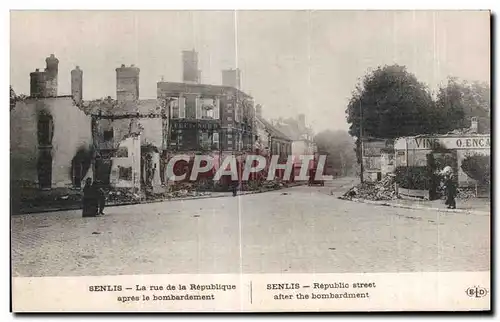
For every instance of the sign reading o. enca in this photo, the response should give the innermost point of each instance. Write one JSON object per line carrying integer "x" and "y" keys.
{"x": 449, "y": 142}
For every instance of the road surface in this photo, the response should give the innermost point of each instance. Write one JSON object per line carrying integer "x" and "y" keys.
{"x": 297, "y": 230}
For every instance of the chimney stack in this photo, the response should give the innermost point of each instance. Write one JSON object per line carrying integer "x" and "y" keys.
{"x": 474, "y": 125}
{"x": 77, "y": 84}
{"x": 258, "y": 110}
{"x": 190, "y": 71}
{"x": 127, "y": 83}
{"x": 51, "y": 76}
{"x": 37, "y": 83}
{"x": 302, "y": 121}
{"x": 231, "y": 77}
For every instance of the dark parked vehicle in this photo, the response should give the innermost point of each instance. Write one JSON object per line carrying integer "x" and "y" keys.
{"x": 312, "y": 181}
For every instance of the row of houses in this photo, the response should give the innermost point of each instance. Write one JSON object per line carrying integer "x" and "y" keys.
{"x": 59, "y": 141}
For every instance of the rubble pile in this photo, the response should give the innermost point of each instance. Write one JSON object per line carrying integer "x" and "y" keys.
{"x": 274, "y": 184}
{"x": 122, "y": 195}
{"x": 382, "y": 190}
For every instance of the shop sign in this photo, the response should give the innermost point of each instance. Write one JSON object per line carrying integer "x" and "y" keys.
{"x": 476, "y": 142}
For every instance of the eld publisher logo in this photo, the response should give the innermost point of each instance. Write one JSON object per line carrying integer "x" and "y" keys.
{"x": 476, "y": 291}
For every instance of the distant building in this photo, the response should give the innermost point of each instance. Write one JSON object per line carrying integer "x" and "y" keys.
{"x": 302, "y": 139}
{"x": 271, "y": 141}
{"x": 277, "y": 143}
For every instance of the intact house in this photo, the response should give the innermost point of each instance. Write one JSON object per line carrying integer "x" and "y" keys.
{"x": 214, "y": 120}
{"x": 271, "y": 141}
{"x": 302, "y": 138}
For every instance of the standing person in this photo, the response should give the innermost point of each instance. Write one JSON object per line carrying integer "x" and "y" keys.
{"x": 451, "y": 190}
{"x": 235, "y": 188}
{"x": 100, "y": 197}
{"x": 89, "y": 207}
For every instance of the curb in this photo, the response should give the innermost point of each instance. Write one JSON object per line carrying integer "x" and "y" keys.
{"x": 129, "y": 203}
{"x": 398, "y": 205}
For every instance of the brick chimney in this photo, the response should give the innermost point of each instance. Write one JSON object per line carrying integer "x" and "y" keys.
{"x": 231, "y": 77}
{"x": 474, "y": 125}
{"x": 258, "y": 110}
{"x": 77, "y": 84}
{"x": 51, "y": 72}
{"x": 37, "y": 83}
{"x": 302, "y": 121}
{"x": 190, "y": 71}
{"x": 127, "y": 83}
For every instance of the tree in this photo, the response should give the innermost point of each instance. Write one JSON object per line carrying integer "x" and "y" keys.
{"x": 478, "y": 167}
{"x": 13, "y": 98}
{"x": 392, "y": 103}
{"x": 459, "y": 101}
{"x": 339, "y": 148}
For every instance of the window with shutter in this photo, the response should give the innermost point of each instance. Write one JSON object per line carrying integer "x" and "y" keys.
{"x": 237, "y": 112}
{"x": 216, "y": 108}
{"x": 198, "y": 105}
{"x": 182, "y": 107}
{"x": 174, "y": 108}
{"x": 215, "y": 140}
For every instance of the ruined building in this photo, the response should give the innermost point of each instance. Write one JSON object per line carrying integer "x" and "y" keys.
{"x": 50, "y": 136}
{"x": 128, "y": 136}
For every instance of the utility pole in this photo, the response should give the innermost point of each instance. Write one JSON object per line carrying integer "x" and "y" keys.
{"x": 361, "y": 139}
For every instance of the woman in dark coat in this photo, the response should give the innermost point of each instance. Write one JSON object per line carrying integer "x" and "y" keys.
{"x": 90, "y": 200}
{"x": 451, "y": 191}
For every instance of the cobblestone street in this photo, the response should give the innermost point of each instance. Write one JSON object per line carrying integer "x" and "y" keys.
{"x": 297, "y": 230}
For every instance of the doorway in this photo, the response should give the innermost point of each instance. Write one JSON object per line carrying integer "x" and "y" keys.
{"x": 45, "y": 169}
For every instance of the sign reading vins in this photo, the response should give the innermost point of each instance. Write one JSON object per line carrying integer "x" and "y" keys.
{"x": 478, "y": 142}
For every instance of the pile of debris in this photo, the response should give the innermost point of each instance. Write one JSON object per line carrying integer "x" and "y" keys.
{"x": 381, "y": 190}
{"x": 184, "y": 193}
{"x": 122, "y": 196}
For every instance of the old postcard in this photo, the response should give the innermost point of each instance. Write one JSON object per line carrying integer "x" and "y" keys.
{"x": 250, "y": 161}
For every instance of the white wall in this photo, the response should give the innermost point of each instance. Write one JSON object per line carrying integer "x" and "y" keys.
{"x": 72, "y": 130}
{"x": 133, "y": 160}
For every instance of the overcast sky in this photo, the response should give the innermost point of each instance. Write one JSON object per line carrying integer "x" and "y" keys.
{"x": 292, "y": 61}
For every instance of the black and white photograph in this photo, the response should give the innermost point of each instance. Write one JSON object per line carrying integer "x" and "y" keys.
{"x": 241, "y": 142}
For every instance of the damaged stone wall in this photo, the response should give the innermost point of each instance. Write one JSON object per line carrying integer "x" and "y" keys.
{"x": 118, "y": 146}
{"x": 125, "y": 164}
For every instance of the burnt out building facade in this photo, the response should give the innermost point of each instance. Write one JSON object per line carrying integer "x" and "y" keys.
{"x": 127, "y": 135}
{"x": 51, "y": 138}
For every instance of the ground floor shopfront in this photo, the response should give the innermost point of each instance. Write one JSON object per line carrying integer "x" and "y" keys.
{"x": 440, "y": 151}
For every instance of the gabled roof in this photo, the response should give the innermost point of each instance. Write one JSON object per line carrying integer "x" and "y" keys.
{"x": 273, "y": 130}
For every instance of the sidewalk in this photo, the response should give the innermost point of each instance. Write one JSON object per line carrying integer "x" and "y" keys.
{"x": 477, "y": 206}
{"x": 77, "y": 205}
